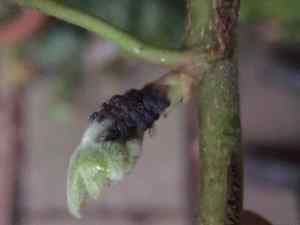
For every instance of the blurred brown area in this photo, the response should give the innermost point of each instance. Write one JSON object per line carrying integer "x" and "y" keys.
{"x": 11, "y": 124}
{"x": 39, "y": 133}
{"x": 251, "y": 218}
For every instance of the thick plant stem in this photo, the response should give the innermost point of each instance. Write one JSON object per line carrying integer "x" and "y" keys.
{"x": 95, "y": 24}
{"x": 220, "y": 165}
{"x": 211, "y": 28}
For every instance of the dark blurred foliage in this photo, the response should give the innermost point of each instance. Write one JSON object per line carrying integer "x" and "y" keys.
{"x": 57, "y": 51}
{"x": 283, "y": 13}
{"x": 57, "y": 48}
{"x": 158, "y": 22}
{"x": 8, "y": 9}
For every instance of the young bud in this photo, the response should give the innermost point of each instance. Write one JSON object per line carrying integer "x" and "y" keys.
{"x": 97, "y": 163}
{"x": 112, "y": 143}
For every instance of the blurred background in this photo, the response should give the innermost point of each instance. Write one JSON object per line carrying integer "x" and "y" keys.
{"x": 53, "y": 75}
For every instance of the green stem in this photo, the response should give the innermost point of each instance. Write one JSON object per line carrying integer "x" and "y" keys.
{"x": 126, "y": 42}
{"x": 212, "y": 28}
{"x": 220, "y": 147}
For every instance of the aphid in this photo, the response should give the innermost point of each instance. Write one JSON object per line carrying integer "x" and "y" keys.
{"x": 132, "y": 113}
{"x": 93, "y": 116}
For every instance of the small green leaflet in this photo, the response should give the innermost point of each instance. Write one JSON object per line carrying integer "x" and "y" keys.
{"x": 97, "y": 163}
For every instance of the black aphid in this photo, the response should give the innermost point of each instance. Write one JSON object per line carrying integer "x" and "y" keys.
{"x": 132, "y": 113}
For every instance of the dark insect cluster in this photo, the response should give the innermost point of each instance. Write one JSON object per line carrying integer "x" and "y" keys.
{"x": 132, "y": 113}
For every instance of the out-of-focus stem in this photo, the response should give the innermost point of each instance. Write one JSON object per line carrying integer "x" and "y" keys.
{"x": 11, "y": 145}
